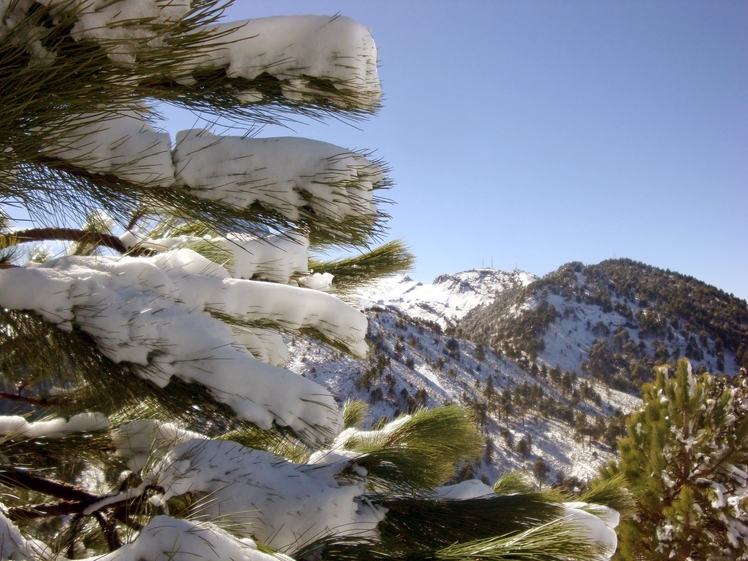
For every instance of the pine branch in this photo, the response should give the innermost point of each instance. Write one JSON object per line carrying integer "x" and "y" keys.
{"x": 40, "y": 402}
{"x": 22, "y": 478}
{"x": 353, "y": 272}
{"x": 109, "y": 530}
{"x": 420, "y": 452}
{"x": 72, "y": 235}
{"x": 67, "y": 507}
{"x": 47, "y": 509}
{"x": 432, "y": 524}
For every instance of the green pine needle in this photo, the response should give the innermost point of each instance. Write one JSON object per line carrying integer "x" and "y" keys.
{"x": 355, "y": 412}
{"x": 422, "y": 452}
{"x": 352, "y": 273}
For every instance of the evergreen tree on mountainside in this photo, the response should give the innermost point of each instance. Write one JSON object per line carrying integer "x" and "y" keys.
{"x": 686, "y": 460}
{"x": 148, "y": 413}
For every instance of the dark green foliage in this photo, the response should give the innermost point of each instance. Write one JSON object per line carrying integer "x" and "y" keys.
{"x": 353, "y": 272}
{"x": 540, "y": 470}
{"x": 553, "y": 541}
{"x": 453, "y": 348}
{"x": 685, "y": 460}
{"x": 415, "y": 526}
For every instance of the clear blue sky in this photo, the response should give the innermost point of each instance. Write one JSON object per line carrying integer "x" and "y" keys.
{"x": 534, "y": 133}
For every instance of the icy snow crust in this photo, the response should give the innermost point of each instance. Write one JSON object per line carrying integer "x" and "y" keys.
{"x": 155, "y": 313}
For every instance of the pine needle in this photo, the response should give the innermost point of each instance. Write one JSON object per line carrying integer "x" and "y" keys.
{"x": 421, "y": 452}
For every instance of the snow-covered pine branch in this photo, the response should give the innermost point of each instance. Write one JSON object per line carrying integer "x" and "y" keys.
{"x": 284, "y": 174}
{"x": 155, "y": 314}
{"x": 146, "y": 337}
{"x": 309, "y": 56}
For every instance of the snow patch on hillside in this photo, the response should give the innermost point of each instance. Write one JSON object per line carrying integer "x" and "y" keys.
{"x": 421, "y": 367}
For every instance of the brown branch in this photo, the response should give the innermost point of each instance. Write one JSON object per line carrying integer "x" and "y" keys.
{"x": 75, "y": 507}
{"x": 48, "y": 509}
{"x": 73, "y": 235}
{"x": 110, "y": 531}
{"x": 41, "y": 402}
{"x": 135, "y": 217}
{"x": 27, "y": 480}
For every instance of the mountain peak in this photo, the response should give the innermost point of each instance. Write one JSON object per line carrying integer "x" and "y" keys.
{"x": 448, "y": 298}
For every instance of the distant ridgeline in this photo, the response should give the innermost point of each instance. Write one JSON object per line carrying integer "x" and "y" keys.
{"x": 614, "y": 321}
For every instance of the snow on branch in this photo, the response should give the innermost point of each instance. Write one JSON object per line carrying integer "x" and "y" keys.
{"x": 274, "y": 258}
{"x": 117, "y": 25}
{"x": 154, "y": 313}
{"x": 281, "y": 504}
{"x": 284, "y": 174}
{"x": 124, "y": 145}
{"x": 206, "y": 286}
{"x": 139, "y": 439}
{"x": 15, "y": 426}
{"x": 315, "y": 57}
{"x": 296, "y": 177}
{"x": 12, "y": 543}
{"x": 185, "y": 540}
{"x": 162, "y": 538}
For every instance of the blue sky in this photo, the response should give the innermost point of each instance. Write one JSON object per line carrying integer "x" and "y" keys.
{"x": 530, "y": 134}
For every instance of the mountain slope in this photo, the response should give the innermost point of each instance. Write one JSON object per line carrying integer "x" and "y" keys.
{"x": 539, "y": 361}
{"x": 615, "y": 321}
{"x": 413, "y": 363}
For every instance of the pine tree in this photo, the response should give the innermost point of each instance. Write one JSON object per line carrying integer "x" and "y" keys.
{"x": 540, "y": 471}
{"x": 147, "y": 413}
{"x": 686, "y": 461}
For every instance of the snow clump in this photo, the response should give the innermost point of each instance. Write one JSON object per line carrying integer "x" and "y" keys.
{"x": 157, "y": 314}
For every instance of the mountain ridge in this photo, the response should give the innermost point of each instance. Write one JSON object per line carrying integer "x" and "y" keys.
{"x": 617, "y": 320}
{"x": 532, "y": 405}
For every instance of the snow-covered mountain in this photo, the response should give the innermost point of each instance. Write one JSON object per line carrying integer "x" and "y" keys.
{"x": 537, "y": 358}
{"x": 448, "y": 298}
{"x": 616, "y": 321}
{"x": 412, "y": 362}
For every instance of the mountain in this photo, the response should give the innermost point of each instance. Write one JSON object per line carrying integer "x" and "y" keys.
{"x": 524, "y": 414}
{"x": 615, "y": 321}
{"x": 447, "y": 300}
{"x": 541, "y": 361}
